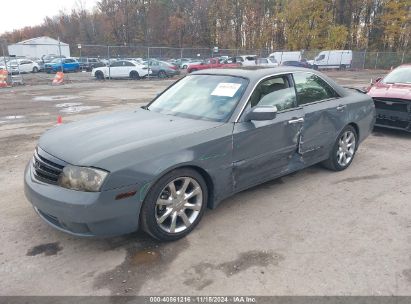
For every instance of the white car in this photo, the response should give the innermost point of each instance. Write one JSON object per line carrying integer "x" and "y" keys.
{"x": 121, "y": 69}
{"x": 267, "y": 62}
{"x": 23, "y": 65}
{"x": 246, "y": 60}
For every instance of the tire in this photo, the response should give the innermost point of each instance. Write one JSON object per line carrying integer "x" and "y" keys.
{"x": 134, "y": 75}
{"x": 315, "y": 67}
{"x": 35, "y": 69}
{"x": 335, "y": 161}
{"x": 162, "y": 74}
{"x": 152, "y": 213}
{"x": 99, "y": 75}
{"x": 343, "y": 67}
{"x": 184, "y": 66}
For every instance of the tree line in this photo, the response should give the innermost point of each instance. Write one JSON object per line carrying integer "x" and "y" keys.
{"x": 383, "y": 25}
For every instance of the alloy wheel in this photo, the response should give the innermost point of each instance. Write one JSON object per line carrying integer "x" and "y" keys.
{"x": 179, "y": 204}
{"x": 346, "y": 148}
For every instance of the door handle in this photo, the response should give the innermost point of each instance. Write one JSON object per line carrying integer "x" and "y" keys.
{"x": 297, "y": 120}
{"x": 341, "y": 107}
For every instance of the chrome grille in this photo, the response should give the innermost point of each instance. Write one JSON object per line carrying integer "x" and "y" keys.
{"x": 45, "y": 169}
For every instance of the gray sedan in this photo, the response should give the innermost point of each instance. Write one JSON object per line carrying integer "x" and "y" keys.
{"x": 210, "y": 135}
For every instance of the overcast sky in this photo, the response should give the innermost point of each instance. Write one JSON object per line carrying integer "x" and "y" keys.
{"x": 16, "y": 14}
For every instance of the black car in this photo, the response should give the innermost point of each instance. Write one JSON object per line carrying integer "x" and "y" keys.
{"x": 301, "y": 64}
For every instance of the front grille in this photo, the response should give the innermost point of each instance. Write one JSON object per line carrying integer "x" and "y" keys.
{"x": 393, "y": 104}
{"x": 45, "y": 169}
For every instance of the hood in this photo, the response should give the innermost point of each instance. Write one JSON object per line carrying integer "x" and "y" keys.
{"x": 88, "y": 142}
{"x": 395, "y": 90}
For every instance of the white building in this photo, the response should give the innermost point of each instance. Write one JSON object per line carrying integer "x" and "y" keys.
{"x": 38, "y": 47}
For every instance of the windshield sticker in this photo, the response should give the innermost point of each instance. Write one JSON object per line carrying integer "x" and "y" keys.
{"x": 226, "y": 89}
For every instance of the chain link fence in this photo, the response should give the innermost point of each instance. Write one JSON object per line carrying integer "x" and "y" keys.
{"x": 107, "y": 53}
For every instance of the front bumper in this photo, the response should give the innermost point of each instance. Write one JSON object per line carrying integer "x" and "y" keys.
{"x": 393, "y": 114}
{"x": 83, "y": 213}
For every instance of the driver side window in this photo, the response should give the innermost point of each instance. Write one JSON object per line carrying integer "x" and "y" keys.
{"x": 275, "y": 91}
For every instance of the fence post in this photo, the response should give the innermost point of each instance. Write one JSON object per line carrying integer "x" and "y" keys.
{"x": 402, "y": 59}
{"x": 109, "y": 63}
{"x": 363, "y": 63}
{"x": 181, "y": 53}
{"x": 376, "y": 60}
{"x": 148, "y": 63}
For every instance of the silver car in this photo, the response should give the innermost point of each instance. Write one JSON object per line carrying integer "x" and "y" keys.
{"x": 210, "y": 135}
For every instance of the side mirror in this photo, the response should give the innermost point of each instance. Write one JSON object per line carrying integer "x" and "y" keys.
{"x": 260, "y": 113}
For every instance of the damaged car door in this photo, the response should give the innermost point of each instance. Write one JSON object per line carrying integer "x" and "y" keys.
{"x": 263, "y": 149}
{"x": 324, "y": 116}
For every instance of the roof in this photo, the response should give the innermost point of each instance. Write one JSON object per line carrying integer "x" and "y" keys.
{"x": 256, "y": 73}
{"x": 253, "y": 72}
{"x": 41, "y": 40}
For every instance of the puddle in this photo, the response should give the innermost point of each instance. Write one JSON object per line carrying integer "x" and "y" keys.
{"x": 11, "y": 117}
{"x": 48, "y": 249}
{"x": 78, "y": 109}
{"x": 202, "y": 275}
{"x": 146, "y": 260}
{"x": 55, "y": 97}
{"x": 68, "y": 104}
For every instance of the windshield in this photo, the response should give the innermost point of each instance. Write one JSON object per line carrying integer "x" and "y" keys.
{"x": 56, "y": 60}
{"x": 208, "y": 97}
{"x": 399, "y": 75}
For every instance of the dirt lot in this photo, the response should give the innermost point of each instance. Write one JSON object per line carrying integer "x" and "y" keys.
{"x": 311, "y": 233}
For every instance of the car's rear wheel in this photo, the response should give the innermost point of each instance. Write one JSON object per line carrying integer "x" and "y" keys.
{"x": 343, "y": 67}
{"x": 99, "y": 75}
{"x": 344, "y": 150}
{"x": 174, "y": 205}
{"x": 162, "y": 74}
{"x": 134, "y": 75}
{"x": 184, "y": 66}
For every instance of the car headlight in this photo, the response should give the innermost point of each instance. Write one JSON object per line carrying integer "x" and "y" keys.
{"x": 82, "y": 178}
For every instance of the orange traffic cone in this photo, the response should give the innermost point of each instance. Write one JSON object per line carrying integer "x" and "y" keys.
{"x": 59, "y": 120}
{"x": 3, "y": 78}
{"x": 58, "y": 79}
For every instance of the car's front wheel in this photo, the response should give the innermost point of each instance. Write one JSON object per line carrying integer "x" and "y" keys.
{"x": 35, "y": 69}
{"x": 344, "y": 150}
{"x": 174, "y": 205}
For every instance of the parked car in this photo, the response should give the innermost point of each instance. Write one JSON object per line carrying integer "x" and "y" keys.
{"x": 392, "y": 99}
{"x": 210, "y": 135}
{"x": 121, "y": 69}
{"x": 186, "y": 65}
{"x": 266, "y": 62}
{"x": 87, "y": 63}
{"x": 246, "y": 60}
{"x": 301, "y": 63}
{"x": 180, "y": 62}
{"x": 211, "y": 63}
{"x": 335, "y": 59}
{"x": 163, "y": 69}
{"x": 47, "y": 59}
{"x": 21, "y": 65}
{"x": 62, "y": 64}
